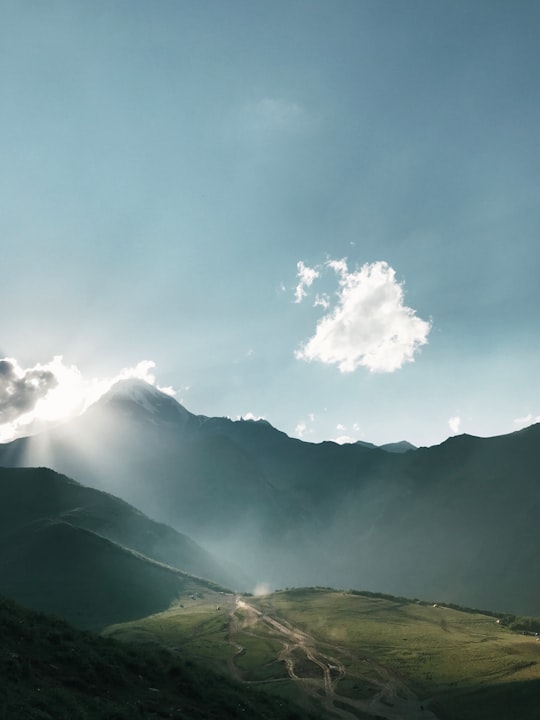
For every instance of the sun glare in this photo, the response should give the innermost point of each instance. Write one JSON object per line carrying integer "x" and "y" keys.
{"x": 71, "y": 395}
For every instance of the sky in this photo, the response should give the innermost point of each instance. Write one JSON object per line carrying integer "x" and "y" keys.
{"x": 324, "y": 213}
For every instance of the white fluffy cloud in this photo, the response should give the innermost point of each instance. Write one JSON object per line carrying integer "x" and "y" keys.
{"x": 454, "y": 424}
{"x": 369, "y": 325}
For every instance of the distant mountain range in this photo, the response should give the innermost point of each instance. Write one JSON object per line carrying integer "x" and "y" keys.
{"x": 458, "y": 522}
{"x": 397, "y": 447}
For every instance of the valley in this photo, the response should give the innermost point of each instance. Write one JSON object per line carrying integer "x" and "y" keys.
{"x": 180, "y": 516}
{"x": 269, "y": 360}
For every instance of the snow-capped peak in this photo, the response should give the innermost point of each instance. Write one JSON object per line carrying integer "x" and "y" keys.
{"x": 149, "y": 398}
{"x": 139, "y": 392}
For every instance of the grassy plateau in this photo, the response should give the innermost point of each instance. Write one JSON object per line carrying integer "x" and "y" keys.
{"x": 355, "y": 655}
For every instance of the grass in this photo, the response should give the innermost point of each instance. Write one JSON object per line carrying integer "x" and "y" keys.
{"x": 258, "y": 659}
{"x": 469, "y": 665}
{"x": 464, "y": 659}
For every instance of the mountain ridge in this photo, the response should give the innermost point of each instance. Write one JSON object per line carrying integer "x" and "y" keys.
{"x": 457, "y": 521}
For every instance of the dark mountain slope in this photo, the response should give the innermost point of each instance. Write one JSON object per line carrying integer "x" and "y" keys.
{"x": 27, "y": 495}
{"x": 75, "y": 574}
{"x": 51, "y": 563}
{"x": 472, "y": 519}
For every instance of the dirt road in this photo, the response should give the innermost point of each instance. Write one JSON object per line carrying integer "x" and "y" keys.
{"x": 318, "y": 673}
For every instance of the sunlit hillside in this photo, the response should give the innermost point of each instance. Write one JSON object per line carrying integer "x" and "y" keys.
{"x": 358, "y": 655}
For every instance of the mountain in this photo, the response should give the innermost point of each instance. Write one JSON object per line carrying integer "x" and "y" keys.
{"x": 88, "y": 556}
{"x": 457, "y": 522}
{"x": 398, "y": 447}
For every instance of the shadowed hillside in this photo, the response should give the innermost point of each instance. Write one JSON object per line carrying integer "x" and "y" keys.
{"x": 51, "y": 560}
{"x": 51, "y": 671}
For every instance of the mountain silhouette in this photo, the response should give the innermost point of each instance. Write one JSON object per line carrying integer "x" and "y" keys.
{"x": 457, "y": 522}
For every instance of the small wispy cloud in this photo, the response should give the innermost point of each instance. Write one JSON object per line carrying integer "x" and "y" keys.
{"x": 368, "y": 326}
{"x": 306, "y": 275}
{"x": 454, "y": 424}
{"x": 322, "y": 301}
{"x": 344, "y": 437}
{"x": 343, "y": 440}
{"x": 250, "y": 416}
{"x": 529, "y": 419}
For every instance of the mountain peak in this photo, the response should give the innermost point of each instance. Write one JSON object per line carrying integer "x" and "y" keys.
{"x": 134, "y": 389}
{"x": 136, "y": 394}
{"x": 402, "y": 446}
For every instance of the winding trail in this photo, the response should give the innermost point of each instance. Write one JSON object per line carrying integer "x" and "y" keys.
{"x": 318, "y": 674}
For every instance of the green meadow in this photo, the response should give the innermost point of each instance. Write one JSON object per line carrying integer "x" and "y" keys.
{"x": 348, "y": 654}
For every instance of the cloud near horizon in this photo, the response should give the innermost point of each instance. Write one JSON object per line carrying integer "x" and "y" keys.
{"x": 250, "y": 416}
{"x": 529, "y": 419}
{"x": 368, "y": 326}
{"x": 454, "y": 423}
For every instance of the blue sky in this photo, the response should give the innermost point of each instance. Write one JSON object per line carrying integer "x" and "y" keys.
{"x": 174, "y": 174}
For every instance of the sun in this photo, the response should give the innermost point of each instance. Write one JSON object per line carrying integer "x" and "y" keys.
{"x": 71, "y": 395}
